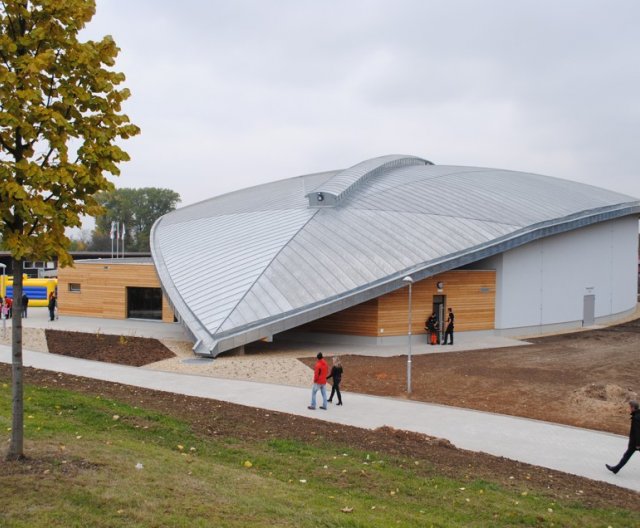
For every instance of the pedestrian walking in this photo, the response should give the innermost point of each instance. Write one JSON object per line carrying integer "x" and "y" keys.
{"x": 8, "y": 301}
{"x": 449, "y": 330}
{"x": 52, "y": 306}
{"x": 634, "y": 437}
{"x": 25, "y": 304}
{"x": 319, "y": 382}
{"x": 336, "y": 376}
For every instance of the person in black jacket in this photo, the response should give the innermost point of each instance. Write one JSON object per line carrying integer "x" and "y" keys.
{"x": 449, "y": 330}
{"x": 25, "y": 304}
{"x": 52, "y": 306}
{"x": 336, "y": 375}
{"x": 634, "y": 438}
{"x": 431, "y": 326}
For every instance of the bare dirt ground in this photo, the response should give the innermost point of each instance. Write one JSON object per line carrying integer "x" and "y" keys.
{"x": 583, "y": 379}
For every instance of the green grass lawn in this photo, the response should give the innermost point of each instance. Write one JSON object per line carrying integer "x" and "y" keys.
{"x": 99, "y": 463}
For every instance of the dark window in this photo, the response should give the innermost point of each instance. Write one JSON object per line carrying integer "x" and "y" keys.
{"x": 144, "y": 303}
{"x": 74, "y": 287}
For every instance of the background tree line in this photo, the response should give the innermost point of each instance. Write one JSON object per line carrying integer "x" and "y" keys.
{"x": 136, "y": 209}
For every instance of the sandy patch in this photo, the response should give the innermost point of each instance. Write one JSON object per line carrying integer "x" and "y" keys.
{"x": 32, "y": 338}
{"x": 283, "y": 369}
{"x": 604, "y": 398}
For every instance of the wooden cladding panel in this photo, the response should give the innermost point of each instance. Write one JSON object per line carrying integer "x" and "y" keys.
{"x": 361, "y": 319}
{"x": 103, "y": 289}
{"x": 471, "y": 295}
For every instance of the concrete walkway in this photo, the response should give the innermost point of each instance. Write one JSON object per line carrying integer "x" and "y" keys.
{"x": 569, "y": 449}
{"x": 39, "y": 318}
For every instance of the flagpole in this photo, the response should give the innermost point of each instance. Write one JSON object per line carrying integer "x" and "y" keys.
{"x": 123, "y": 233}
{"x": 111, "y": 236}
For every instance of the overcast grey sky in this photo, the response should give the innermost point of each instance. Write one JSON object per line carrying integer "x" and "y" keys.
{"x": 235, "y": 93}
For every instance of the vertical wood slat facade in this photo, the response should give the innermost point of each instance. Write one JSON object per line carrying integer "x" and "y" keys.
{"x": 103, "y": 289}
{"x": 470, "y": 293}
{"x": 360, "y": 320}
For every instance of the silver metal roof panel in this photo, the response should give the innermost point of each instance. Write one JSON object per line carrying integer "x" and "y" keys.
{"x": 255, "y": 262}
{"x": 342, "y": 183}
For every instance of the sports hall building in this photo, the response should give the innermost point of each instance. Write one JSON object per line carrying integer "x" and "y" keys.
{"x": 326, "y": 256}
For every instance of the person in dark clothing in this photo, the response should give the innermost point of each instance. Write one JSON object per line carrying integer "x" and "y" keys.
{"x": 25, "y": 304}
{"x": 449, "y": 329}
{"x": 336, "y": 375}
{"x": 431, "y": 326}
{"x": 52, "y": 306}
{"x": 634, "y": 438}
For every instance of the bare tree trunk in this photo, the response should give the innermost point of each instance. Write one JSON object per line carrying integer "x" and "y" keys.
{"x": 16, "y": 447}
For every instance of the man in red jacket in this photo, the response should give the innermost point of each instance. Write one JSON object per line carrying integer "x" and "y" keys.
{"x": 319, "y": 382}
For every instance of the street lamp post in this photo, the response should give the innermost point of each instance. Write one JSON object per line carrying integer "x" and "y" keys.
{"x": 409, "y": 281}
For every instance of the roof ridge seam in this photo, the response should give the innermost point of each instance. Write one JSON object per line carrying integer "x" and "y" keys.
{"x": 263, "y": 271}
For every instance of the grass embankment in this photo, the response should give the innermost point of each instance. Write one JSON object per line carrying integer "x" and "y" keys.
{"x": 96, "y": 462}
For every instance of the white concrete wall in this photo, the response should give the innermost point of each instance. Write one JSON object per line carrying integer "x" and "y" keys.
{"x": 544, "y": 282}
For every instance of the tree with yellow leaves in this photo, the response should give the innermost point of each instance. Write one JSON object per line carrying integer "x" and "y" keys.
{"x": 60, "y": 120}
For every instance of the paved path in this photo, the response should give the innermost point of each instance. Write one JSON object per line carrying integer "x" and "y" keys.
{"x": 569, "y": 449}
{"x": 39, "y": 318}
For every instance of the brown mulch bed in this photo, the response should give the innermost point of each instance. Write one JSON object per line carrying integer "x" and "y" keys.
{"x": 124, "y": 350}
{"x": 212, "y": 418}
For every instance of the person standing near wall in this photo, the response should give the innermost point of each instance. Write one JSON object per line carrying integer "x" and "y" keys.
{"x": 319, "y": 382}
{"x": 634, "y": 438}
{"x": 449, "y": 329}
{"x": 52, "y": 306}
{"x": 432, "y": 329}
{"x": 25, "y": 304}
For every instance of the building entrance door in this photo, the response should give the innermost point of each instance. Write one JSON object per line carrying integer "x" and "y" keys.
{"x": 439, "y": 305}
{"x": 589, "y": 310}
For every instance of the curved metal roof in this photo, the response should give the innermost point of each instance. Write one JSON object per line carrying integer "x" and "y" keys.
{"x": 252, "y": 263}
